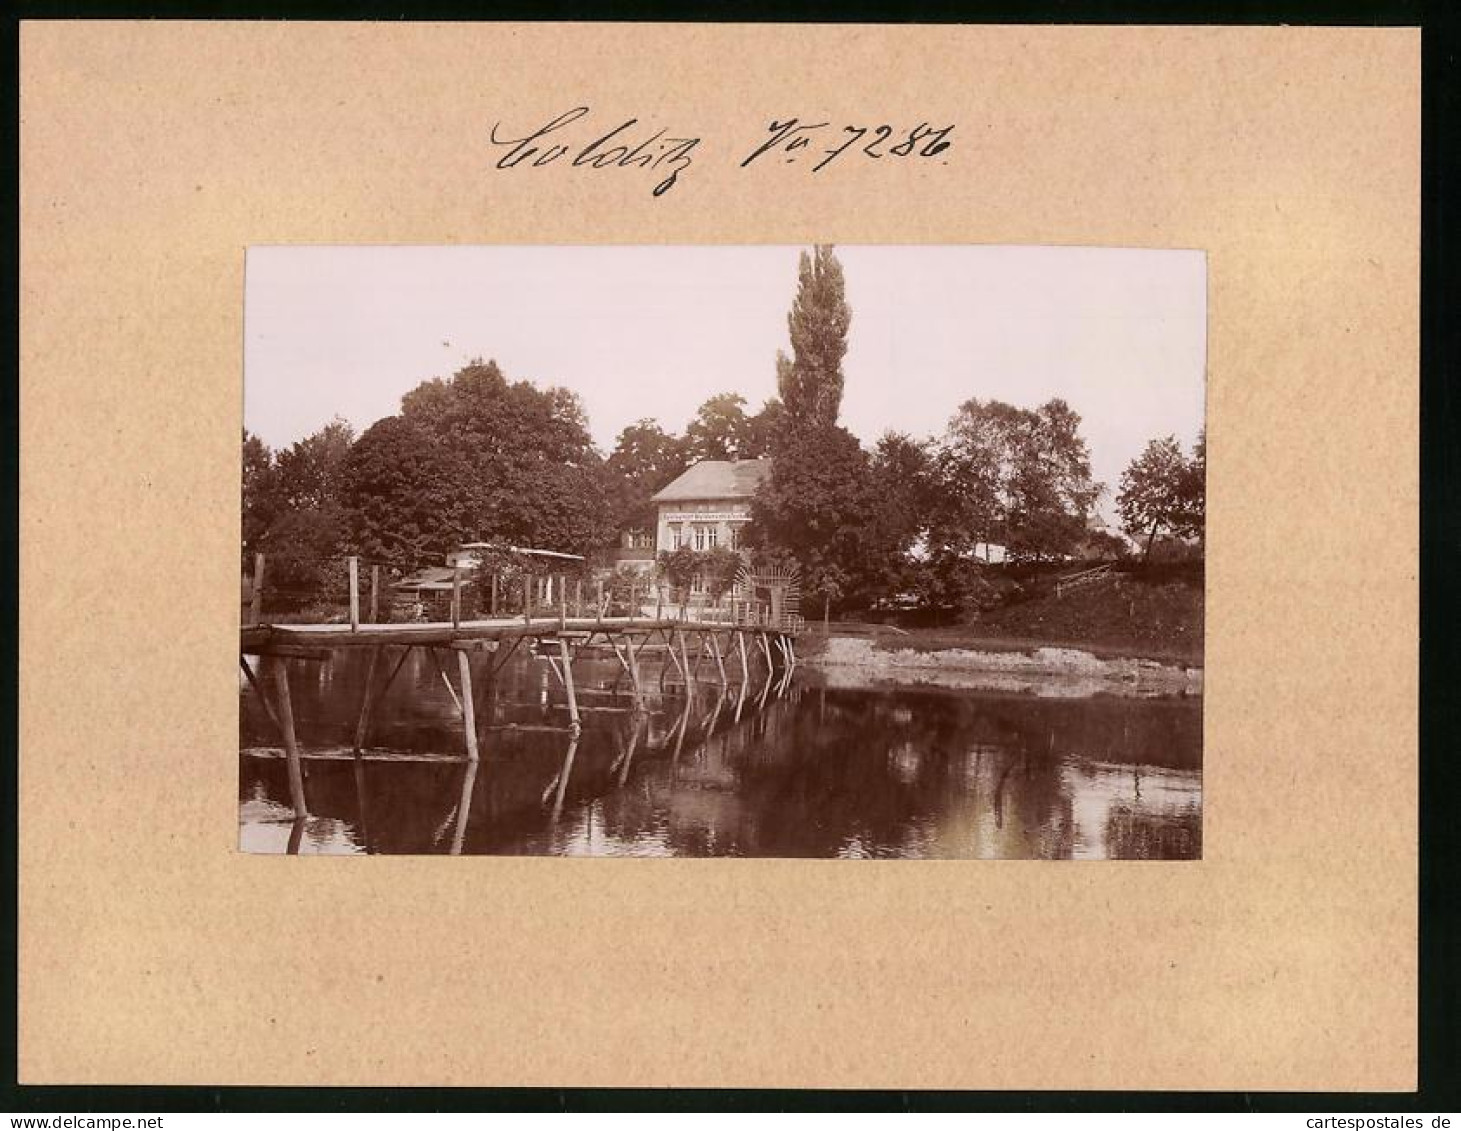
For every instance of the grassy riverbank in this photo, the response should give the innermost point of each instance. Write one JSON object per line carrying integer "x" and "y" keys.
{"x": 1124, "y": 617}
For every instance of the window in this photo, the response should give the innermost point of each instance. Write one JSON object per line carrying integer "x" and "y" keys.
{"x": 675, "y": 536}
{"x": 733, "y": 536}
{"x": 712, "y": 536}
{"x": 699, "y": 537}
{"x": 697, "y": 584}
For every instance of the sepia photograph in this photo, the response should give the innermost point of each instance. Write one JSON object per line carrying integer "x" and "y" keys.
{"x": 853, "y": 552}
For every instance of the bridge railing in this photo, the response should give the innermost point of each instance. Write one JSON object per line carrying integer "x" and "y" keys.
{"x": 292, "y": 588}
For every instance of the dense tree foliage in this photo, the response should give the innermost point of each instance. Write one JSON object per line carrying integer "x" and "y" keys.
{"x": 1161, "y": 490}
{"x": 820, "y": 506}
{"x": 403, "y": 499}
{"x": 645, "y": 459}
{"x": 260, "y": 492}
{"x": 905, "y": 487}
{"x": 1194, "y": 490}
{"x": 308, "y": 474}
{"x": 720, "y": 430}
{"x": 479, "y": 458}
{"x": 718, "y": 568}
{"x": 647, "y": 454}
{"x": 677, "y": 569}
{"x": 723, "y": 430}
{"x": 292, "y": 512}
{"x": 1015, "y": 477}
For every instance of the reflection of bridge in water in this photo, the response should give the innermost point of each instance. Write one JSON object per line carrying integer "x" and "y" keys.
{"x": 743, "y": 663}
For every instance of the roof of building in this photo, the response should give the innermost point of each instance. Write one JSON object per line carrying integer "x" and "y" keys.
{"x": 716, "y": 479}
{"x": 431, "y": 577}
{"x": 521, "y": 550}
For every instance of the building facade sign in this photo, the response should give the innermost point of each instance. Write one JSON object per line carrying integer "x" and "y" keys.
{"x": 706, "y": 516}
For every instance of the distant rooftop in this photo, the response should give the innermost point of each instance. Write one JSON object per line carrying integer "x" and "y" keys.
{"x": 716, "y": 479}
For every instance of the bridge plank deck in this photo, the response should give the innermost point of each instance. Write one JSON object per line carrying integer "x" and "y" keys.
{"x": 267, "y": 636}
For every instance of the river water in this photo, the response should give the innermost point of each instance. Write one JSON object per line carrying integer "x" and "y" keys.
{"x": 781, "y": 770}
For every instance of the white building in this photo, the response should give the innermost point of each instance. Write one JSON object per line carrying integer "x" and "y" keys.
{"x": 708, "y": 505}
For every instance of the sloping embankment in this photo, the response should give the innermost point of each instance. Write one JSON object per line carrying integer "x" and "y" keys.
{"x": 851, "y": 661}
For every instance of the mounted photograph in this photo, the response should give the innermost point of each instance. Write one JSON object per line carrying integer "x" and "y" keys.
{"x": 854, "y": 552}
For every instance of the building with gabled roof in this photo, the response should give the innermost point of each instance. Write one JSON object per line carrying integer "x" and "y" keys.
{"x": 708, "y": 504}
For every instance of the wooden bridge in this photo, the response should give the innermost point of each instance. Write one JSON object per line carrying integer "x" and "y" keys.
{"x": 734, "y": 652}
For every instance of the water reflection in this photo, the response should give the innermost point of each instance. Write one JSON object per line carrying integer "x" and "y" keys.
{"x": 780, "y": 768}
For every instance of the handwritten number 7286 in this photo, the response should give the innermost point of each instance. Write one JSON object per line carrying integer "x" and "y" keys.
{"x": 791, "y": 136}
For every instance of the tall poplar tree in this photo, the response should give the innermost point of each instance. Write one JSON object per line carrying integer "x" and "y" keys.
{"x": 818, "y": 505}
{"x": 810, "y": 382}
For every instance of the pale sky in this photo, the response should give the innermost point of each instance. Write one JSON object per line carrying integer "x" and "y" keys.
{"x": 655, "y": 331}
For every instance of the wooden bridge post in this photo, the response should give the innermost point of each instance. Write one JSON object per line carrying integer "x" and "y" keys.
{"x": 494, "y": 593}
{"x": 636, "y": 725}
{"x": 256, "y": 596}
{"x": 562, "y": 602}
{"x": 469, "y": 708}
{"x": 354, "y": 593}
{"x": 633, "y": 590}
{"x": 633, "y": 668}
{"x": 279, "y": 673}
{"x": 741, "y": 647}
{"x": 567, "y": 658}
{"x": 464, "y": 808}
{"x": 362, "y": 724}
{"x": 563, "y": 776}
{"x": 684, "y": 660}
{"x": 445, "y": 679}
{"x": 699, "y": 654}
{"x": 375, "y": 594}
{"x": 456, "y": 596}
{"x": 719, "y": 662}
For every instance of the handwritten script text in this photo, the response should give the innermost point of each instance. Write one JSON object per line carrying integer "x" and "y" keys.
{"x": 570, "y": 141}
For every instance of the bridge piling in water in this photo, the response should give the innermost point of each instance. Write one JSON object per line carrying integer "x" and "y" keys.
{"x": 556, "y": 638}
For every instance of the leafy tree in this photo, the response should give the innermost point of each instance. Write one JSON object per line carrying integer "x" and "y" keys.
{"x": 1152, "y": 492}
{"x": 970, "y": 467}
{"x": 292, "y": 513}
{"x": 306, "y": 549}
{"x": 810, "y": 382}
{"x": 645, "y": 458}
{"x": 1193, "y": 491}
{"x": 718, "y": 568}
{"x": 819, "y": 505}
{"x": 308, "y": 473}
{"x": 400, "y": 486}
{"x": 903, "y": 484}
{"x": 1017, "y": 477}
{"x": 763, "y": 428}
{"x": 1051, "y": 492}
{"x": 721, "y": 429}
{"x": 260, "y": 493}
{"x": 478, "y": 458}
{"x": 647, "y": 454}
{"x": 678, "y": 567}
